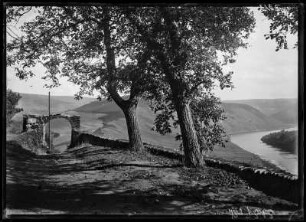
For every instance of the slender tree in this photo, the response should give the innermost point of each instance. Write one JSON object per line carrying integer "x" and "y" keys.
{"x": 191, "y": 44}
{"x": 92, "y": 46}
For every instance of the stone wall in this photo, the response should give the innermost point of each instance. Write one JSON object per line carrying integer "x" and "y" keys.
{"x": 79, "y": 138}
{"x": 283, "y": 185}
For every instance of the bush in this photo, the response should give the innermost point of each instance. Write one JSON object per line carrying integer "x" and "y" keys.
{"x": 12, "y": 99}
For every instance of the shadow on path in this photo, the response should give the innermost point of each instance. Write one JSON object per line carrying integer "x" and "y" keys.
{"x": 39, "y": 183}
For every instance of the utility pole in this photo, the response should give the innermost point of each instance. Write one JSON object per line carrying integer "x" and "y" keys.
{"x": 50, "y": 144}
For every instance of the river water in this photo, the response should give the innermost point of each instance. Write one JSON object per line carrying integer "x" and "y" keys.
{"x": 252, "y": 143}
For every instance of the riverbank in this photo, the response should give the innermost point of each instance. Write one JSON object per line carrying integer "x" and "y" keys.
{"x": 287, "y": 126}
{"x": 284, "y": 140}
{"x": 252, "y": 143}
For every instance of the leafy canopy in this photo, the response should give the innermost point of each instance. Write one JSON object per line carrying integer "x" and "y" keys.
{"x": 12, "y": 99}
{"x": 69, "y": 42}
{"x": 192, "y": 45}
{"x": 195, "y": 41}
{"x": 284, "y": 21}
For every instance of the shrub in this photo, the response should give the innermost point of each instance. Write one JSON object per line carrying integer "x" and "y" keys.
{"x": 12, "y": 99}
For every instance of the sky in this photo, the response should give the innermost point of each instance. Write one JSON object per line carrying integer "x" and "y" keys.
{"x": 259, "y": 72}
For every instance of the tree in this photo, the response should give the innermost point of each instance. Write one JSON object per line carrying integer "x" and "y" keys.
{"x": 12, "y": 99}
{"x": 92, "y": 46}
{"x": 207, "y": 114}
{"x": 284, "y": 21}
{"x": 189, "y": 44}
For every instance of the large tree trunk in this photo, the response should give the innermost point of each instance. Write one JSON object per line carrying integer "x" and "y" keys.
{"x": 193, "y": 156}
{"x": 128, "y": 106}
{"x": 133, "y": 127}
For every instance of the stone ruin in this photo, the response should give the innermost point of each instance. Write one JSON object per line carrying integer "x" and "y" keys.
{"x": 38, "y": 123}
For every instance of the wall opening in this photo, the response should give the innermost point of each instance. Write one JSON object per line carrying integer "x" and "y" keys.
{"x": 60, "y": 134}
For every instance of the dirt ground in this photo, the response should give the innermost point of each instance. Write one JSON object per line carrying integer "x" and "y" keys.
{"x": 94, "y": 180}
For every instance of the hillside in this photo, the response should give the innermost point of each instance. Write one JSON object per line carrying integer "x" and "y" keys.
{"x": 106, "y": 117}
{"x": 240, "y": 117}
{"x": 34, "y": 103}
{"x": 288, "y": 116}
{"x": 245, "y": 118}
{"x": 107, "y": 120}
{"x": 284, "y": 110}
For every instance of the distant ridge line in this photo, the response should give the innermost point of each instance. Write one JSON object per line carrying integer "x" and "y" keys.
{"x": 35, "y": 94}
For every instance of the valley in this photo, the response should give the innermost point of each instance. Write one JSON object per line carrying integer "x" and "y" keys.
{"x": 88, "y": 179}
{"x": 105, "y": 119}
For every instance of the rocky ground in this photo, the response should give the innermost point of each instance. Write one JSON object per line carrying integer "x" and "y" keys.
{"x": 95, "y": 180}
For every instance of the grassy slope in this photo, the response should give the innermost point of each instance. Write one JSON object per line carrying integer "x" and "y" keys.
{"x": 34, "y": 103}
{"x": 284, "y": 110}
{"x": 241, "y": 118}
{"x": 289, "y": 115}
{"x": 110, "y": 122}
{"x": 106, "y": 119}
{"x": 38, "y": 104}
{"x": 245, "y": 118}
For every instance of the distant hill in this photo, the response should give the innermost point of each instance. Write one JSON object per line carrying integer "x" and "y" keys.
{"x": 38, "y": 104}
{"x": 289, "y": 115}
{"x": 105, "y": 118}
{"x": 244, "y": 118}
{"x": 283, "y": 110}
{"x": 109, "y": 121}
{"x": 240, "y": 117}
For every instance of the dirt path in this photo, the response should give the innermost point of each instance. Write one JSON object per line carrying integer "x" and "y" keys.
{"x": 103, "y": 180}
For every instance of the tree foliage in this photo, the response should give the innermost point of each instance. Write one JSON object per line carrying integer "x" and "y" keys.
{"x": 284, "y": 21}
{"x": 195, "y": 42}
{"x": 93, "y": 46}
{"x": 12, "y": 99}
{"x": 191, "y": 45}
{"x": 207, "y": 115}
{"x": 69, "y": 41}
{"x": 172, "y": 54}
{"x": 286, "y": 140}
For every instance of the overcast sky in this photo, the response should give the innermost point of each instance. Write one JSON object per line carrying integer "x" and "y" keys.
{"x": 259, "y": 72}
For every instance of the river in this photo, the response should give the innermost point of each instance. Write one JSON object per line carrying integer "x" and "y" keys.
{"x": 252, "y": 143}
